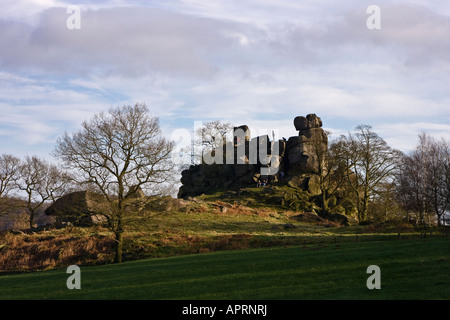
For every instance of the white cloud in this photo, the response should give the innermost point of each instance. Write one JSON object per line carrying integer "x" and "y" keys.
{"x": 404, "y": 135}
{"x": 241, "y": 38}
{"x": 25, "y": 10}
{"x": 252, "y": 62}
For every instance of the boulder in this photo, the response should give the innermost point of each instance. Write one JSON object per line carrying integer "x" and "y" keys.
{"x": 310, "y": 121}
{"x": 302, "y": 151}
{"x": 296, "y": 158}
{"x": 259, "y": 146}
{"x": 241, "y": 134}
{"x": 307, "y": 182}
{"x": 135, "y": 192}
{"x": 81, "y": 208}
{"x": 279, "y": 148}
{"x": 334, "y": 217}
{"x": 308, "y": 217}
{"x": 314, "y": 185}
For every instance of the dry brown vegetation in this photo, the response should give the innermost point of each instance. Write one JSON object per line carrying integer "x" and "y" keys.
{"x": 20, "y": 251}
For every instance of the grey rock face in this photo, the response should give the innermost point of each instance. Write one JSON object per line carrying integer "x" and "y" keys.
{"x": 279, "y": 160}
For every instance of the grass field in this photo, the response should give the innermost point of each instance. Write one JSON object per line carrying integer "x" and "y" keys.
{"x": 410, "y": 269}
{"x": 210, "y": 249}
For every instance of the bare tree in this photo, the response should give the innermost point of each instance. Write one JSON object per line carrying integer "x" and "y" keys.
{"x": 446, "y": 176}
{"x": 9, "y": 169}
{"x": 330, "y": 169}
{"x": 384, "y": 204}
{"x": 42, "y": 182}
{"x": 411, "y": 189}
{"x": 119, "y": 153}
{"x": 435, "y": 176}
{"x": 58, "y": 182}
{"x": 370, "y": 162}
{"x": 211, "y": 136}
{"x": 424, "y": 182}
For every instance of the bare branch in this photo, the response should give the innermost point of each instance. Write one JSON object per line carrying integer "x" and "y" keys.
{"x": 119, "y": 153}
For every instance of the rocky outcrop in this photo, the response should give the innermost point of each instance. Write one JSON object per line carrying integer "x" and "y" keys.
{"x": 304, "y": 150}
{"x": 200, "y": 179}
{"x": 247, "y": 160}
{"x": 305, "y": 123}
{"x": 82, "y": 208}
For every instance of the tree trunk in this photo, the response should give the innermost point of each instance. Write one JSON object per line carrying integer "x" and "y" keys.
{"x": 118, "y": 256}
{"x": 364, "y": 210}
{"x": 439, "y": 217}
{"x": 31, "y": 220}
{"x": 324, "y": 202}
{"x": 119, "y": 231}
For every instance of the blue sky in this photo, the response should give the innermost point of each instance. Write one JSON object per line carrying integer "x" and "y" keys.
{"x": 260, "y": 63}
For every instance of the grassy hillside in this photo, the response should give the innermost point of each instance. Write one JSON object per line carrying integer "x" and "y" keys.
{"x": 218, "y": 222}
{"x": 411, "y": 269}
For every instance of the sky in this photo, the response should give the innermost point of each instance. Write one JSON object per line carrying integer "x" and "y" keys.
{"x": 259, "y": 63}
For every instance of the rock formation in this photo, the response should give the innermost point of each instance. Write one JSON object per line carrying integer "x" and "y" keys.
{"x": 86, "y": 208}
{"x": 82, "y": 208}
{"x": 303, "y": 151}
{"x": 294, "y": 161}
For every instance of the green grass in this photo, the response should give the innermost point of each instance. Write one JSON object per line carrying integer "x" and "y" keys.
{"x": 410, "y": 269}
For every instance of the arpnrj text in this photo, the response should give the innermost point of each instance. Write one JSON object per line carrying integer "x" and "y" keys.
{"x": 232, "y": 309}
